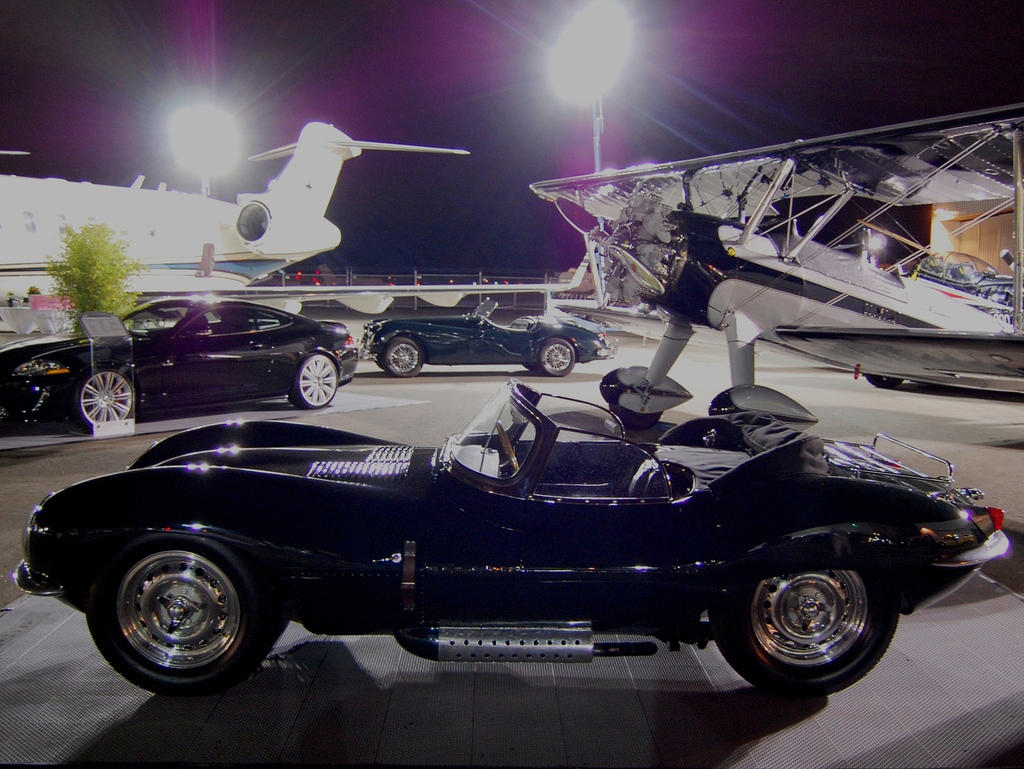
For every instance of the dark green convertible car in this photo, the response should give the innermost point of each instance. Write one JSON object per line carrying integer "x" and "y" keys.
{"x": 545, "y": 345}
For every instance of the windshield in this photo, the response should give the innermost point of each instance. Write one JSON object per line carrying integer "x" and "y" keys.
{"x": 498, "y": 440}
{"x": 485, "y": 308}
{"x": 580, "y": 415}
{"x": 585, "y": 455}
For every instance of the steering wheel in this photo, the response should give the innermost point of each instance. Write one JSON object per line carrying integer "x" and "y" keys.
{"x": 506, "y": 448}
{"x": 642, "y": 478}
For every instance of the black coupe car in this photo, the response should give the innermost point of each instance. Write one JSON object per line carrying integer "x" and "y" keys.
{"x": 521, "y": 536}
{"x": 179, "y": 352}
{"x": 550, "y": 346}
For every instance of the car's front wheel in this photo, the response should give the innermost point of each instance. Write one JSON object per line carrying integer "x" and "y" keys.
{"x": 808, "y": 633}
{"x": 315, "y": 383}
{"x": 403, "y": 357}
{"x": 182, "y": 617}
{"x": 557, "y": 357}
{"x": 103, "y": 397}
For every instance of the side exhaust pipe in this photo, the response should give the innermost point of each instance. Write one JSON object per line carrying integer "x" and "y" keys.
{"x": 514, "y": 642}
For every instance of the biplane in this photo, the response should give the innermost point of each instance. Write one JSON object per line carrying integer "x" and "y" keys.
{"x": 727, "y": 241}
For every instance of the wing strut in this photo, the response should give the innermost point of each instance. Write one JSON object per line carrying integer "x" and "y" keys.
{"x": 781, "y": 176}
{"x": 1018, "y": 223}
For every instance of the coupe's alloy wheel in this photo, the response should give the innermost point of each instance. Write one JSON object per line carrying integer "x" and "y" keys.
{"x": 178, "y": 610}
{"x": 811, "y": 618}
{"x": 318, "y": 381}
{"x": 106, "y": 396}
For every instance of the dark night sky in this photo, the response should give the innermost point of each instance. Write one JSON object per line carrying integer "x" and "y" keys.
{"x": 88, "y": 88}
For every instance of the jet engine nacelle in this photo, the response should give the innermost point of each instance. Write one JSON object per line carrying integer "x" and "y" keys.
{"x": 271, "y": 226}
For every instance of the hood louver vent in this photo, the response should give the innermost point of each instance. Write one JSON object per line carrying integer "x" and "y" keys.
{"x": 390, "y": 461}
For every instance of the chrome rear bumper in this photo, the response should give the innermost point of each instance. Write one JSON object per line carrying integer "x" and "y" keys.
{"x": 997, "y": 544}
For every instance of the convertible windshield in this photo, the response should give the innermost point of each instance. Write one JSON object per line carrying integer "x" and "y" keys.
{"x": 485, "y": 308}
{"x": 498, "y": 440}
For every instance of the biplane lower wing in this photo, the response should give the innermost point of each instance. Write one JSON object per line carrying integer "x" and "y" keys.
{"x": 888, "y": 356}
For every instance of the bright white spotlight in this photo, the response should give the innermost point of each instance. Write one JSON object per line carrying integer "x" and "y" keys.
{"x": 591, "y": 52}
{"x": 205, "y": 141}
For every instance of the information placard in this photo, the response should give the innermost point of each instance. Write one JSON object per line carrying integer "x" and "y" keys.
{"x": 101, "y": 325}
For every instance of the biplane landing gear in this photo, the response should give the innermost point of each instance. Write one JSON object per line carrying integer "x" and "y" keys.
{"x": 635, "y": 401}
{"x": 638, "y": 395}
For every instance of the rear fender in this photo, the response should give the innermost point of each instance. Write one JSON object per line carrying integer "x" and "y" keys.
{"x": 855, "y": 545}
{"x": 903, "y": 556}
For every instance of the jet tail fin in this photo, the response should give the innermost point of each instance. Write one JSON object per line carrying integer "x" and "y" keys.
{"x": 316, "y": 159}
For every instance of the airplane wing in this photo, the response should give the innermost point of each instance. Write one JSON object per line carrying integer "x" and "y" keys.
{"x": 376, "y": 299}
{"x": 952, "y": 159}
{"x": 989, "y": 361}
{"x": 640, "y": 321}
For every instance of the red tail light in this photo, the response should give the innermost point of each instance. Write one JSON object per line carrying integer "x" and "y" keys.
{"x": 997, "y": 515}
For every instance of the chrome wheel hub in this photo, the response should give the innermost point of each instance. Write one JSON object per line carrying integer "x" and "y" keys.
{"x": 403, "y": 358}
{"x": 178, "y": 610}
{"x": 557, "y": 357}
{"x": 810, "y": 618}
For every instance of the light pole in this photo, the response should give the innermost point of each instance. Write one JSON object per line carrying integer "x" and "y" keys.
{"x": 585, "y": 62}
{"x": 589, "y": 57}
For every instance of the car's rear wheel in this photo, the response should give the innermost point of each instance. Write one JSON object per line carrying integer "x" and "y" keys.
{"x": 403, "y": 357}
{"x": 557, "y": 357}
{"x": 808, "y": 633}
{"x": 177, "y": 616}
{"x": 103, "y": 397}
{"x": 315, "y": 383}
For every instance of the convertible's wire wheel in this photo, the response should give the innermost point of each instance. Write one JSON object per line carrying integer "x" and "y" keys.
{"x": 557, "y": 356}
{"x": 403, "y": 357}
{"x": 809, "y": 619}
{"x": 318, "y": 381}
{"x": 178, "y": 609}
{"x": 106, "y": 396}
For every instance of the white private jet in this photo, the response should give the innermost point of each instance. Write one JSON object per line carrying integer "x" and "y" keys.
{"x": 187, "y": 242}
{"x": 190, "y": 243}
{"x": 714, "y": 241}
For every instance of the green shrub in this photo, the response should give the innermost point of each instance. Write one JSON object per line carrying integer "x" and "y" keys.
{"x": 93, "y": 270}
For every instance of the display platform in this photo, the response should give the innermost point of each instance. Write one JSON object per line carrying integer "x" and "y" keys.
{"x": 950, "y": 692}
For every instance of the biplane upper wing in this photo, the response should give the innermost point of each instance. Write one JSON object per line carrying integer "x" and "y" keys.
{"x": 944, "y": 160}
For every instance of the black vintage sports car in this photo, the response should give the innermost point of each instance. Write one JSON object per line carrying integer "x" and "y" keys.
{"x": 519, "y": 538}
{"x": 180, "y": 352}
{"x": 544, "y": 345}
